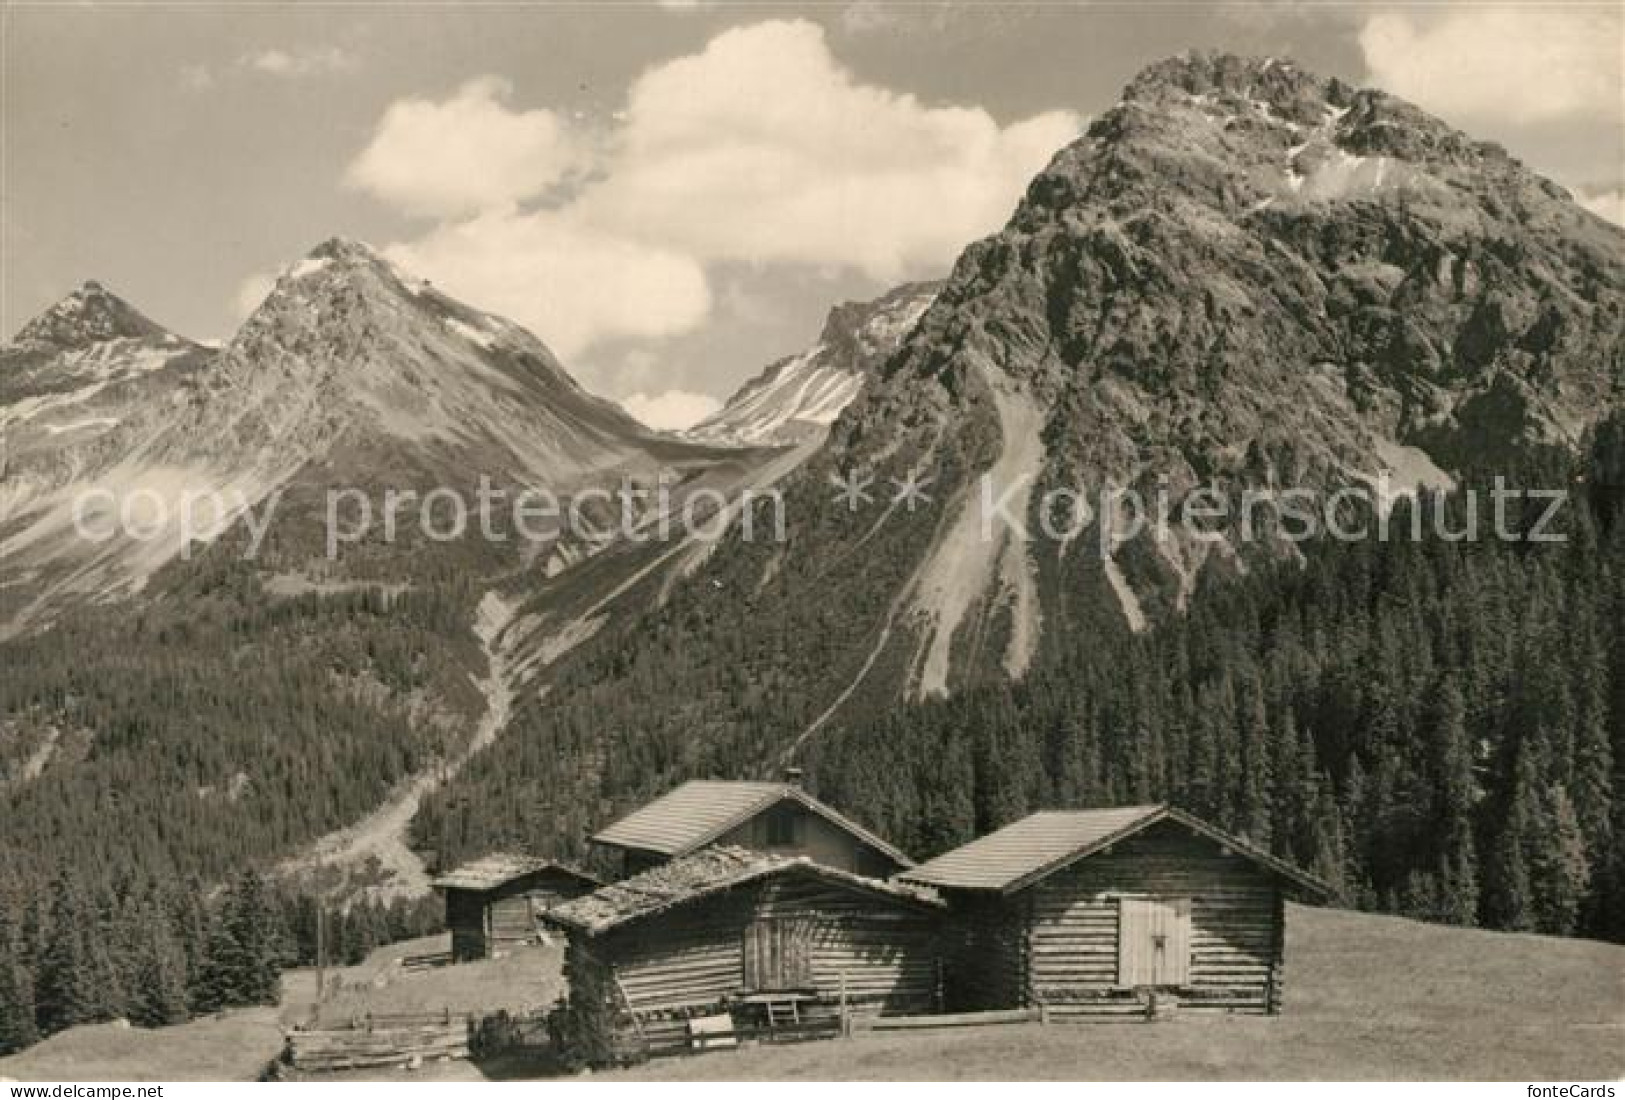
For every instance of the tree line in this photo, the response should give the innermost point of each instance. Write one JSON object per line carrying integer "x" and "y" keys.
{"x": 157, "y": 954}
{"x": 1433, "y": 728}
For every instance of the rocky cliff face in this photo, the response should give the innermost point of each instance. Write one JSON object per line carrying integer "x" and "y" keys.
{"x": 1245, "y": 275}
{"x": 1242, "y": 276}
{"x": 798, "y": 397}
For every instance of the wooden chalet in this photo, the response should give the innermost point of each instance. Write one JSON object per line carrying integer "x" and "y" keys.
{"x": 1100, "y": 911}
{"x": 779, "y": 818}
{"x": 503, "y": 899}
{"x": 733, "y": 941}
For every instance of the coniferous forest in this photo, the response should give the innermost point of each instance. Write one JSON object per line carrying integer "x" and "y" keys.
{"x": 229, "y": 729}
{"x": 1433, "y": 727}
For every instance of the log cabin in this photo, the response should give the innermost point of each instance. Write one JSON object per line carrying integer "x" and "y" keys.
{"x": 501, "y": 900}
{"x": 778, "y": 818}
{"x": 741, "y": 942}
{"x": 1114, "y": 911}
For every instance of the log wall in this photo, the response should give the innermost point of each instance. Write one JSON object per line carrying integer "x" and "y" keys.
{"x": 690, "y": 962}
{"x": 1235, "y": 926}
{"x": 482, "y": 921}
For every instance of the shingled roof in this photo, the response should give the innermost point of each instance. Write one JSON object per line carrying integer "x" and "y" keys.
{"x": 703, "y": 874}
{"x": 1041, "y": 844}
{"x": 701, "y": 810}
{"x": 498, "y": 869}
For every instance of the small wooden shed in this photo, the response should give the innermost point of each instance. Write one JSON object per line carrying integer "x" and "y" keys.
{"x": 780, "y": 818}
{"x": 503, "y": 899}
{"x": 748, "y": 940}
{"x": 1093, "y": 911}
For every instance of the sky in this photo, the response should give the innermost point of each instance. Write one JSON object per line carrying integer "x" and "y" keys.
{"x": 671, "y": 195}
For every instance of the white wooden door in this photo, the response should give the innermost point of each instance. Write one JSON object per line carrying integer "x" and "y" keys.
{"x": 1153, "y": 941}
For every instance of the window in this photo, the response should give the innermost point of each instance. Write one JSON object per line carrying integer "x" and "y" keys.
{"x": 781, "y": 828}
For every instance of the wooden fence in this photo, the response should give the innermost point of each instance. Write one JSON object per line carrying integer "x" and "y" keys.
{"x": 373, "y": 1041}
{"x": 862, "y": 1024}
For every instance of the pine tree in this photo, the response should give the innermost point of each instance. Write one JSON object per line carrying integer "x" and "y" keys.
{"x": 1329, "y": 861}
{"x": 67, "y": 989}
{"x": 17, "y": 1026}
{"x": 1452, "y": 826}
{"x": 1253, "y": 814}
{"x": 254, "y": 942}
{"x": 159, "y": 996}
{"x": 1558, "y": 871}
{"x": 1508, "y": 899}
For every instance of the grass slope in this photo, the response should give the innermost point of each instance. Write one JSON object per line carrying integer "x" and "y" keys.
{"x": 235, "y": 1046}
{"x": 523, "y": 979}
{"x": 1368, "y": 998}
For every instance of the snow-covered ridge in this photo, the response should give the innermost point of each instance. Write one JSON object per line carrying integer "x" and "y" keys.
{"x": 800, "y": 396}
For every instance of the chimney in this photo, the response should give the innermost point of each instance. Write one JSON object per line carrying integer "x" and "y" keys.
{"x": 792, "y": 777}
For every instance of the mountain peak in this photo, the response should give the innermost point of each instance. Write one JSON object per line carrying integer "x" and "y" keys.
{"x": 798, "y": 397}
{"x": 346, "y": 248}
{"x": 90, "y": 315}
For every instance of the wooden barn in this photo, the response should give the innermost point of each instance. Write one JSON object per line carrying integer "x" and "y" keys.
{"x": 738, "y": 941}
{"x": 503, "y": 899}
{"x": 1092, "y": 911}
{"x": 779, "y": 818}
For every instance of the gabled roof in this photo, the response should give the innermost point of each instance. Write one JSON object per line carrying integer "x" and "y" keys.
{"x": 701, "y": 810}
{"x": 706, "y": 873}
{"x": 1038, "y": 846}
{"x": 498, "y": 869}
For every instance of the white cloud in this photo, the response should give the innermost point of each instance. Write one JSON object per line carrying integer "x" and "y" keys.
{"x": 1604, "y": 204}
{"x": 465, "y": 155}
{"x": 250, "y": 293}
{"x": 197, "y": 78}
{"x": 672, "y": 410}
{"x": 291, "y": 64}
{"x": 763, "y": 148}
{"x": 1499, "y": 64}
{"x": 568, "y": 282}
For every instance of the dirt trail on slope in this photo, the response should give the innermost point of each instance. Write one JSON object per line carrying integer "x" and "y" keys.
{"x": 382, "y": 836}
{"x": 984, "y": 546}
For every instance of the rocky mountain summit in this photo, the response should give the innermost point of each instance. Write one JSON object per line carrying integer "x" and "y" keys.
{"x": 796, "y": 398}
{"x": 351, "y": 375}
{"x": 1246, "y": 275}
{"x": 1242, "y": 276}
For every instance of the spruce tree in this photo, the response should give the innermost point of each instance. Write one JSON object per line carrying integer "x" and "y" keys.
{"x": 1508, "y": 897}
{"x": 17, "y": 1026}
{"x": 158, "y": 998}
{"x": 67, "y": 989}
{"x": 1452, "y": 825}
{"x": 1558, "y": 871}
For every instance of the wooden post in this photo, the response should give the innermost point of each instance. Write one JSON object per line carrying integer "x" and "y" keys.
{"x": 321, "y": 948}
{"x": 846, "y": 1021}
{"x": 1273, "y": 993}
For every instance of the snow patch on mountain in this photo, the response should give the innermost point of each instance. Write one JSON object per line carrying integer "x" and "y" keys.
{"x": 798, "y": 397}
